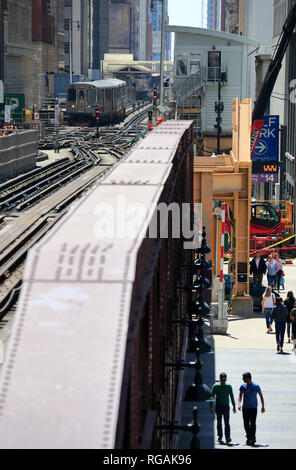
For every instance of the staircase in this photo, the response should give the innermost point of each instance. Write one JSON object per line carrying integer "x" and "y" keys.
{"x": 184, "y": 87}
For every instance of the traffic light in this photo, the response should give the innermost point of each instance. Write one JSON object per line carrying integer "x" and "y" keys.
{"x": 150, "y": 123}
{"x": 155, "y": 96}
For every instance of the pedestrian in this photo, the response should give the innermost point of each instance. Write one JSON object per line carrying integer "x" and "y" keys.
{"x": 293, "y": 320}
{"x": 272, "y": 268}
{"x": 282, "y": 283}
{"x": 279, "y": 315}
{"x": 257, "y": 268}
{"x": 268, "y": 302}
{"x": 248, "y": 393}
{"x": 279, "y": 270}
{"x": 222, "y": 392}
{"x": 289, "y": 303}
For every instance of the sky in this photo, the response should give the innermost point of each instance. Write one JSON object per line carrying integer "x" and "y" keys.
{"x": 185, "y": 12}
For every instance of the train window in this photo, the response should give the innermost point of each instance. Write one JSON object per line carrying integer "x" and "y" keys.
{"x": 108, "y": 92}
{"x": 91, "y": 95}
{"x": 71, "y": 94}
{"x": 101, "y": 96}
{"x": 81, "y": 94}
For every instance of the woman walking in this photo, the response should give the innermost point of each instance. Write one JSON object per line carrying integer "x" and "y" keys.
{"x": 279, "y": 272}
{"x": 293, "y": 319}
{"x": 279, "y": 314}
{"x": 289, "y": 303}
{"x": 268, "y": 302}
{"x": 272, "y": 268}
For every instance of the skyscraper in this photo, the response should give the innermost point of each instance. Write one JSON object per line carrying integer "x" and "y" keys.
{"x": 214, "y": 14}
{"x": 90, "y": 35}
{"x": 155, "y": 19}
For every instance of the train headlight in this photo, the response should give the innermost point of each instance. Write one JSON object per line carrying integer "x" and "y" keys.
{"x": 73, "y": 106}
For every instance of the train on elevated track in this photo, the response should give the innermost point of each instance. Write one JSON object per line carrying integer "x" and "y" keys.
{"x": 102, "y": 99}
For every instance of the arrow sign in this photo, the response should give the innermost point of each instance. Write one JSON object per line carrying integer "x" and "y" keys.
{"x": 261, "y": 148}
{"x": 267, "y": 148}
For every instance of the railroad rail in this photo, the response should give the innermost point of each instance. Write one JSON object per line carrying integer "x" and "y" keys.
{"x": 46, "y": 192}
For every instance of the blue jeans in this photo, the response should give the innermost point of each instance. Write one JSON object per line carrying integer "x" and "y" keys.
{"x": 223, "y": 411}
{"x": 280, "y": 327}
{"x": 267, "y": 313}
{"x": 278, "y": 279}
{"x": 289, "y": 329}
{"x": 271, "y": 280}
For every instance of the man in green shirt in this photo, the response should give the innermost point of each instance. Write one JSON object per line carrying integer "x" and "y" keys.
{"x": 222, "y": 392}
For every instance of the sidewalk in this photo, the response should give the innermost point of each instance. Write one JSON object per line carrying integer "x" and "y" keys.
{"x": 247, "y": 347}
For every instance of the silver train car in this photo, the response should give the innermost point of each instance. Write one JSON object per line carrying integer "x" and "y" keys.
{"x": 84, "y": 98}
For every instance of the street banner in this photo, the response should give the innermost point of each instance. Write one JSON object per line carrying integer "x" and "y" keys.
{"x": 255, "y": 134}
{"x": 7, "y": 113}
{"x": 267, "y": 147}
{"x": 264, "y": 178}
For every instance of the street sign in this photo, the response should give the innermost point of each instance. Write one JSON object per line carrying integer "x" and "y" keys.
{"x": 265, "y": 167}
{"x": 265, "y": 178}
{"x": 255, "y": 134}
{"x": 267, "y": 148}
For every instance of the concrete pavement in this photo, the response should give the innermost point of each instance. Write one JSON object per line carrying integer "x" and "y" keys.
{"x": 247, "y": 347}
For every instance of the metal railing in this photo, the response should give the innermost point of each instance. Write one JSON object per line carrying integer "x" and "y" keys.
{"x": 184, "y": 87}
{"x": 214, "y": 74}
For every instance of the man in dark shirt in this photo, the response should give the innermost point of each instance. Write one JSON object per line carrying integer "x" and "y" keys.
{"x": 279, "y": 315}
{"x": 248, "y": 392}
{"x": 257, "y": 268}
{"x": 222, "y": 392}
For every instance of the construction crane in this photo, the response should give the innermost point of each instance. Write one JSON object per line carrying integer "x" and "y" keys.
{"x": 275, "y": 66}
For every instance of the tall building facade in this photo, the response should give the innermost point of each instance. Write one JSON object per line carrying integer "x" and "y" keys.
{"x": 44, "y": 47}
{"x": 135, "y": 29}
{"x": 87, "y": 29}
{"x": 155, "y": 19}
{"x": 3, "y": 10}
{"x": 98, "y": 34}
{"x": 57, "y": 9}
{"x": 283, "y": 102}
{"x": 214, "y": 14}
{"x": 17, "y": 41}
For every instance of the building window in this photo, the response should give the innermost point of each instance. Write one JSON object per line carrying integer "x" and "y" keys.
{"x": 66, "y": 47}
{"x": 181, "y": 67}
{"x": 214, "y": 65}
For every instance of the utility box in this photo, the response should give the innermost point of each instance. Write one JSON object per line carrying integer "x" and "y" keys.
{"x": 28, "y": 116}
{"x": 219, "y": 323}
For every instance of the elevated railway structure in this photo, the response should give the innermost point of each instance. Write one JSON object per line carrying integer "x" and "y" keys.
{"x": 32, "y": 202}
{"x": 94, "y": 325}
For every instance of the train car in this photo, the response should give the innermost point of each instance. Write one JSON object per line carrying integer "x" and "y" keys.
{"x": 84, "y": 98}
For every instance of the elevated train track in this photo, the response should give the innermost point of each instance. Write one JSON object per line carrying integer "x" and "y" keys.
{"x": 32, "y": 203}
{"x": 95, "y": 316}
